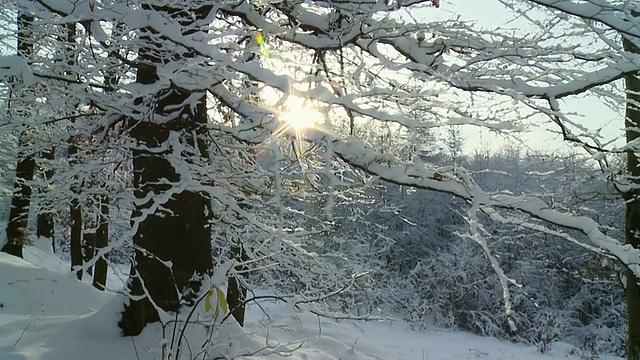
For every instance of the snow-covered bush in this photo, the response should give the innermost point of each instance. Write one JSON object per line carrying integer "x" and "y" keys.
{"x": 457, "y": 288}
{"x": 440, "y": 279}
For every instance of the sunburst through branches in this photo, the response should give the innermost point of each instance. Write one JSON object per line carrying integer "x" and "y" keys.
{"x": 298, "y": 118}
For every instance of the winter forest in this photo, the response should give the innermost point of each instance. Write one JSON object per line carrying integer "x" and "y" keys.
{"x": 268, "y": 179}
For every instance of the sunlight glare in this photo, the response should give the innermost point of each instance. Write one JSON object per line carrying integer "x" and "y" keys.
{"x": 302, "y": 117}
{"x": 299, "y": 116}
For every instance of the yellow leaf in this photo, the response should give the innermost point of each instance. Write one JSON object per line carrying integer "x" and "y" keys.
{"x": 207, "y": 301}
{"x": 223, "y": 301}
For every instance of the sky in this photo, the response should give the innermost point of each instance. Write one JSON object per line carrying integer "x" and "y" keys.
{"x": 543, "y": 136}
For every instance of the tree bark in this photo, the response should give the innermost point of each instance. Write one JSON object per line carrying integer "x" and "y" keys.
{"x": 179, "y": 235}
{"x": 16, "y": 229}
{"x": 76, "y": 228}
{"x": 632, "y": 226}
{"x": 17, "y": 235}
{"x": 88, "y": 250}
{"x": 236, "y": 293}
{"x": 178, "y": 231}
{"x": 102, "y": 242}
{"x": 44, "y": 227}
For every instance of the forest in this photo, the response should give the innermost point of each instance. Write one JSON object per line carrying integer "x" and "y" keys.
{"x": 225, "y": 179}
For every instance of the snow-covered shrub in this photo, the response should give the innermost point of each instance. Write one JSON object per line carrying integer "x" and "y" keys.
{"x": 452, "y": 289}
{"x": 457, "y": 288}
{"x": 442, "y": 280}
{"x": 598, "y": 317}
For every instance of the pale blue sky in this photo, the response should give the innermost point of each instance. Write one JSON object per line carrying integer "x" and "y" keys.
{"x": 589, "y": 111}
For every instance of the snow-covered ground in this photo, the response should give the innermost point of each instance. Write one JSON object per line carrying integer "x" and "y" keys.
{"x": 45, "y": 313}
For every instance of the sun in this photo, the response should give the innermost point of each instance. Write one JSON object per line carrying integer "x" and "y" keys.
{"x": 298, "y": 119}
{"x": 300, "y": 116}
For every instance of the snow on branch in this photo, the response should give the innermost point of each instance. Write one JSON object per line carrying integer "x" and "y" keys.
{"x": 452, "y": 180}
{"x": 616, "y": 17}
{"x": 553, "y": 91}
{"x": 16, "y": 66}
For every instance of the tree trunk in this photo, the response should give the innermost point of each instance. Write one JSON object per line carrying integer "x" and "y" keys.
{"x": 178, "y": 231}
{"x": 179, "y": 235}
{"x": 17, "y": 235}
{"x": 102, "y": 241}
{"x": 632, "y": 227}
{"x": 88, "y": 250}
{"x": 44, "y": 227}
{"x": 236, "y": 293}
{"x": 76, "y": 227}
{"x": 102, "y": 232}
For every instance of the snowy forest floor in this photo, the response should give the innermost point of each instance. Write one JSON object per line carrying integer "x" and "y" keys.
{"x": 45, "y": 313}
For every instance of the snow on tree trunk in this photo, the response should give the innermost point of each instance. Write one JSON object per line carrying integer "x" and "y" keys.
{"x": 173, "y": 241}
{"x": 17, "y": 235}
{"x": 21, "y": 201}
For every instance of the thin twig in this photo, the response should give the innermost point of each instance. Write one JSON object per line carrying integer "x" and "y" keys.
{"x": 135, "y": 348}
{"x": 21, "y": 335}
